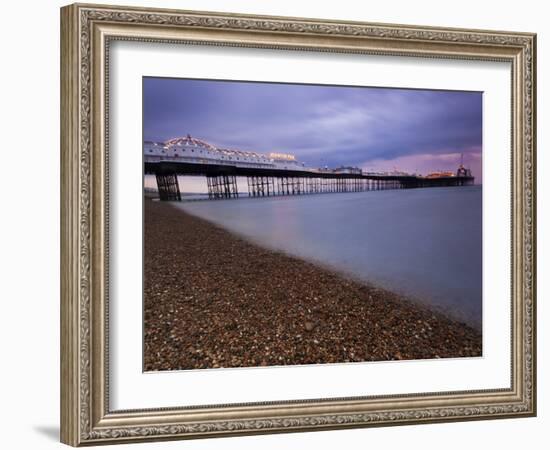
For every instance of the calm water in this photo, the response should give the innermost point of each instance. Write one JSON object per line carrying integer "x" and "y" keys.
{"x": 423, "y": 243}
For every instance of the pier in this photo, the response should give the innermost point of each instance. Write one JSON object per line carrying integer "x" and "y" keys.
{"x": 269, "y": 174}
{"x": 222, "y": 180}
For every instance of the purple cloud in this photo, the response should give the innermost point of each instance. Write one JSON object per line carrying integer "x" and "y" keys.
{"x": 377, "y": 128}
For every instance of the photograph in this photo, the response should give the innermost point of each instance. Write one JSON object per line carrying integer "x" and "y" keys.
{"x": 293, "y": 224}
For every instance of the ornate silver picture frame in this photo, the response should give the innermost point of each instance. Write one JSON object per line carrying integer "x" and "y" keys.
{"x": 87, "y": 33}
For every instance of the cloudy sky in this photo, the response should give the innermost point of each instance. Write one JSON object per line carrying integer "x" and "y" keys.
{"x": 373, "y": 128}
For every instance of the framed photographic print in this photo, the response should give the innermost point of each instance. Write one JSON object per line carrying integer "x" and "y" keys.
{"x": 277, "y": 224}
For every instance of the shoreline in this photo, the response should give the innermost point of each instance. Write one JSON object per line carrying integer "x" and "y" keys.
{"x": 213, "y": 299}
{"x": 415, "y": 299}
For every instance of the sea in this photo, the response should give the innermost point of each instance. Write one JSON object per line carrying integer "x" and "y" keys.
{"x": 425, "y": 244}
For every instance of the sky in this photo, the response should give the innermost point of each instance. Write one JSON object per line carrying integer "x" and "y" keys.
{"x": 377, "y": 129}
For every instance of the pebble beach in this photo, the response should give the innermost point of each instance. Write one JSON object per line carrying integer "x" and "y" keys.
{"x": 213, "y": 299}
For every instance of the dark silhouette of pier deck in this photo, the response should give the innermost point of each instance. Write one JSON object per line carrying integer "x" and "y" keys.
{"x": 222, "y": 180}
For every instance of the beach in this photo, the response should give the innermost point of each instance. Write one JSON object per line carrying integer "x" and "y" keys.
{"x": 213, "y": 299}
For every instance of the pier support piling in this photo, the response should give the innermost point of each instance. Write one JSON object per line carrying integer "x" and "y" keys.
{"x": 168, "y": 187}
{"x": 222, "y": 186}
